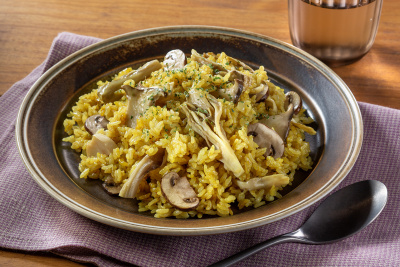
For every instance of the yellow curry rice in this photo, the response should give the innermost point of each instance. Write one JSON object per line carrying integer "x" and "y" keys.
{"x": 165, "y": 126}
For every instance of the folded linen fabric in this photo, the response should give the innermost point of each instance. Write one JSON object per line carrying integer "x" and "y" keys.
{"x": 31, "y": 220}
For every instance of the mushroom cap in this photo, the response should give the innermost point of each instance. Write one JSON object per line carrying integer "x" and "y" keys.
{"x": 95, "y": 123}
{"x": 294, "y": 99}
{"x": 267, "y": 138}
{"x": 175, "y": 59}
{"x": 178, "y": 191}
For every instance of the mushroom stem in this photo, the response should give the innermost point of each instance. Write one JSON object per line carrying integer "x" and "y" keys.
{"x": 100, "y": 143}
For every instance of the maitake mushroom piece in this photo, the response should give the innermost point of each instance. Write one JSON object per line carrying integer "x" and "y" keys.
{"x": 204, "y": 61}
{"x": 174, "y": 59}
{"x": 242, "y": 81}
{"x": 265, "y": 182}
{"x": 95, "y": 123}
{"x": 100, "y": 143}
{"x": 178, "y": 192}
{"x": 106, "y": 92}
{"x": 147, "y": 164}
{"x": 267, "y": 138}
{"x": 213, "y": 134}
{"x": 281, "y": 122}
{"x": 140, "y": 98}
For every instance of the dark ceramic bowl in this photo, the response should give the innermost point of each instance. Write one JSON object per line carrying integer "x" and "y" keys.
{"x": 54, "y": 165}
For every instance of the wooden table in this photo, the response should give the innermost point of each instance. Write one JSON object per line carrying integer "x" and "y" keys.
{"x": 28, "y": 27}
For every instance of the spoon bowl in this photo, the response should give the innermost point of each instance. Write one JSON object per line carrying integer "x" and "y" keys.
{"x": 339, "y": 216}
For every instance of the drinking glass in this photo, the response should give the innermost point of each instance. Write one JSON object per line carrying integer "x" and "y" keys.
{"x": 338, "y": 32}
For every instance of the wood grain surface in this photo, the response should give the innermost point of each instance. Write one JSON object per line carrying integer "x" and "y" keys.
{"x": 27, "y": 29}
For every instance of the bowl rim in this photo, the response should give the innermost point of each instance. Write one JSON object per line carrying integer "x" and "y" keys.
{"x": 346, "y": 166}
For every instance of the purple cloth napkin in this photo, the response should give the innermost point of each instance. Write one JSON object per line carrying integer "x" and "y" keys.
{"x": 31, "y": 220}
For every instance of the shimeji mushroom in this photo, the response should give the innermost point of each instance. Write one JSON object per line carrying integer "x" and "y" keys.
{"x": 265, "y": 182}
{"x": 145, "y": 165}
{"x": 178, "y": 192}
{"x": 100, "y": 143}
{"x": 267, "y": 138}
{"x": 106, "y": 92}
{"x": 281, "y": 122}
{"x": 213, "y": 133}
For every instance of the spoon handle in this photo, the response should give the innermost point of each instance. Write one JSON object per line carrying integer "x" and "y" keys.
{"x": 256, "y": 248}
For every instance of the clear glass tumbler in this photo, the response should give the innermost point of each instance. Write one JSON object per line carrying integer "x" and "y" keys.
{"x": 338, "y": 32}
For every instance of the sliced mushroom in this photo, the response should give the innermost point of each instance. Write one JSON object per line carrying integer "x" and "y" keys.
{"x": 294, "y": 99}
{"x": 147, "y": 164}
{"x": 271, "y": 105}
{"x": 204, "y": 61}
{"x": 111, "y": 187}
{"x": 267, "y": 138}
{"x": 95, "y": 123}
{"x": 265, "y": 182}
{"x": 139, "y": 100}
{"x": 178, "y": 192}
{"x": 281, "y": 122}
{"x": 213, "y": 134}
{"x": 106, "y": 92}
{"x": 100, "y": 143}
{"x": 240, "y": 63}
{"x": 232, "y": 93}
{"x": 175, "y": 59}
{"x": 261, "y": 92}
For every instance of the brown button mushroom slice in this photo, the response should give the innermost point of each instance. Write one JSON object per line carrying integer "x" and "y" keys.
{"x": 178, "y": 192}
{"x": 110, "y": 187}
{"x": 145, "y": 165}
{"x": 175, "y": 59}
{"x": 100, "y": 143}
{"x": 265, "y": 182}
{"x": 267, "y": 138}
{"x": 293, "y": 98}
{"x": 95, "y": 123}
{"x": 106, "y": 92}
{"x": 232, "y": 93}
{"x": 140, "y": 99}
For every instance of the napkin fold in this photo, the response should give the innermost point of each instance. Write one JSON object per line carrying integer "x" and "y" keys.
{"x": 31, "y": 220}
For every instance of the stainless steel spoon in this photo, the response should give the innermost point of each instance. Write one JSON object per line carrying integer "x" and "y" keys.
{"x": 341, "y": 215}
